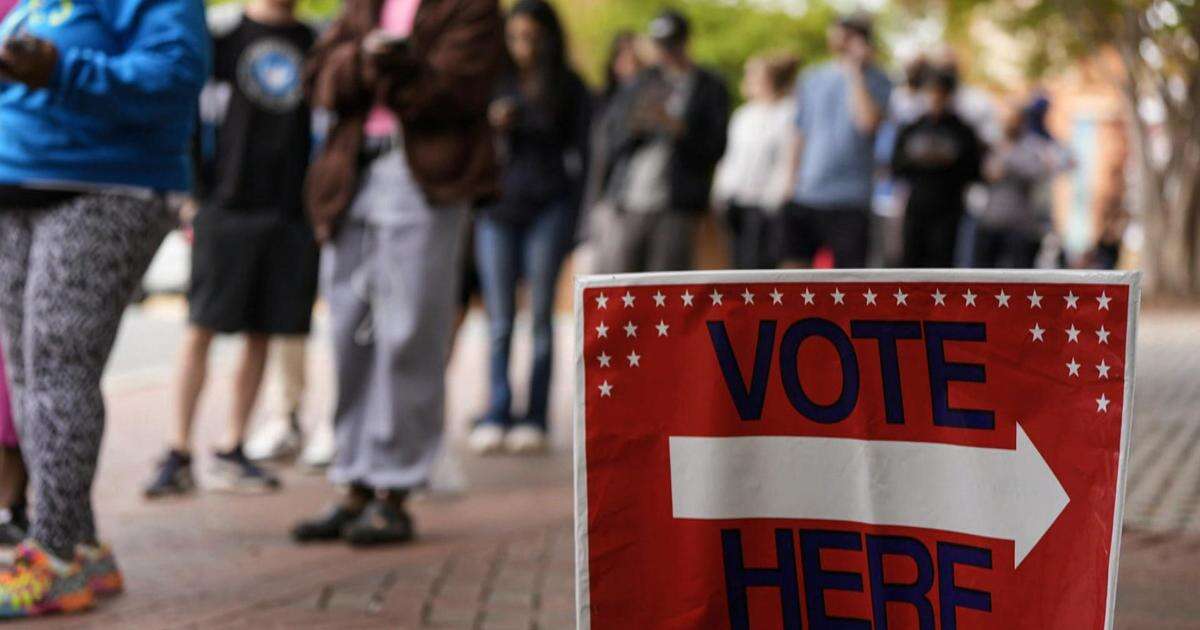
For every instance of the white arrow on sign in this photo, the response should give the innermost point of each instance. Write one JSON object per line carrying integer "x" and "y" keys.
{"x": 989, "y": 492}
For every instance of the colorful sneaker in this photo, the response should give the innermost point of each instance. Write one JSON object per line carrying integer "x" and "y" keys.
{"x": 100, "y": 569}
{"x": 39, "y": 584}
{"x": 235, "y": 473}
{"x": 173, "y": 477}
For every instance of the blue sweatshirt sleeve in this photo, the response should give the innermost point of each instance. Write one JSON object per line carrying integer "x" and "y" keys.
{"x": 156, "y": 77}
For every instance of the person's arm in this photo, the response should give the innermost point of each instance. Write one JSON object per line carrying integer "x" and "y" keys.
{"x": 901, "y": 165}
{"x": 580, "y": 143}
{"x": 972, "y": 160}
{"x": 336, "y": 80}
{"x": 868, "y": 113}
{"x": 617, "y": 128}
{"x": 795, "y": 144}
{"x": 450, "y": 83}
{"x": 159, "y": 74}
{"x": 794, "y": 157}
{"x": 702, "y": 140}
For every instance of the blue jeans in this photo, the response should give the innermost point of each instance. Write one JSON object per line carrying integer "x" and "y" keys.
{"x": 504, "y": 253}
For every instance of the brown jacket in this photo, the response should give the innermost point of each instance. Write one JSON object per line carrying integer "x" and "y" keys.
{"x": 439, "y": 90}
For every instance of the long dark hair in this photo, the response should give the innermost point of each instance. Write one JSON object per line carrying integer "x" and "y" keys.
{"x": 554, "y": 72}
{"x": 612, "y": 83}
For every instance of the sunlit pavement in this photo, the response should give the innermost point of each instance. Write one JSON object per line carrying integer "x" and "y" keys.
{"x": 500, "y": 554}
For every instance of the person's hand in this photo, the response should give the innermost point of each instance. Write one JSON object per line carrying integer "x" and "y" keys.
{"x": 28, "y": 60}
{"x": 380, "y": 42}
{"x": 653, "y": 117}
{"x": 322, "y": 232}
{"x": 993, "y": 164}
{"x": 188, "y": 209}
{"x": 502, "y": 114}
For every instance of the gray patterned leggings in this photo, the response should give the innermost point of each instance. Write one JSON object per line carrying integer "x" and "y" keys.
{"x": 66, "y": 275}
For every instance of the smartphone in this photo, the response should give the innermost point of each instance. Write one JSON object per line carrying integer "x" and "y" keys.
{"x": 390, "y": 45}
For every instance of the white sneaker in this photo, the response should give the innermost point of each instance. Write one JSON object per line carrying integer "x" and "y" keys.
{"x": 525, "y": 440}
{"x": 486, "y": 439}
{"x": 277, "y": 439}
{"x": 318, "y": 453}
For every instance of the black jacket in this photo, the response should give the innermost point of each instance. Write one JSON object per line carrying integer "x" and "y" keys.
{"x": 544, "y": 156}
{"x": 695, "y": 152}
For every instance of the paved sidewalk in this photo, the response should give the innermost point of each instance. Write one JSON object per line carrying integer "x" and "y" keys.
{"x": 500, "y": 555}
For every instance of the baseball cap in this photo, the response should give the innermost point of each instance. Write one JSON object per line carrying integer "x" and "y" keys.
{"x": 670, "y": 27}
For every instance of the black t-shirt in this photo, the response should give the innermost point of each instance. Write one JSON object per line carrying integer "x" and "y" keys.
{"x": 939, "y": 156}
{"x": 264, "y": 140}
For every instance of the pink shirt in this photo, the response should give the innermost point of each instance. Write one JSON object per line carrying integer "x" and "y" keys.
{"x": 396, "y": 18}
{"x": 6, "y": 6}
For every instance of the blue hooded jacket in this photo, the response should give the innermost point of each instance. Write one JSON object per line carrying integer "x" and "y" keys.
{"x": 121, "y": 105}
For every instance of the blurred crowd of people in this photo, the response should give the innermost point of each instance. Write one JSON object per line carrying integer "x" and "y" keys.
{"x": 407, "y": 141}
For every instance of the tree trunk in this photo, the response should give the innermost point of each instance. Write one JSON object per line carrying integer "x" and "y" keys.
{"x": 1169, "y": 193}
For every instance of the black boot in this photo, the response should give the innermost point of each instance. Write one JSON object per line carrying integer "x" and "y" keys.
{"x": 332, "y": 524}
{"x": 384, "y": 522}
{"x": 328, "y": 526}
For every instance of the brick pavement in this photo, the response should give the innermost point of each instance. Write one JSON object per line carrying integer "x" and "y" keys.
{"x": 500, "y": 556}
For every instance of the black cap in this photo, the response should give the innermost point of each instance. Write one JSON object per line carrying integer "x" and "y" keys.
{"x": 670, "y": 28}
{"x": 859, "y": 23}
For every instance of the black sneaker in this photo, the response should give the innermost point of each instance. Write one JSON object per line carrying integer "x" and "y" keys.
{"x": 173, "y": 477}
{"x": 233, "y": 472}
{"x": 14, "y": 525}
{"x": 328, "y": 526}
{"x": 382, "y": 523}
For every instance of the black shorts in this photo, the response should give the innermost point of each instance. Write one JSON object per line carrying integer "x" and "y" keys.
{"x": 252, "y": 273}
{"x": 845, "y": 231}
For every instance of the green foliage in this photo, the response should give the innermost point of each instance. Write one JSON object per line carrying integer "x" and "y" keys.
{"x": 312, "y": 10}
{"x": 725, "y": 32}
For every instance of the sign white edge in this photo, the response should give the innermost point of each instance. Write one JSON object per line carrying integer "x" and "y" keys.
{"x": 583, "y": 618}
{"x": 1131, "y": 279}
{"x": 1135, "y": 302}
{"x": 1049, "y": 276}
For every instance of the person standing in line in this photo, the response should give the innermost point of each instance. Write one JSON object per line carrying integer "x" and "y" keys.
{"x": 254, "y": 260}
{"x": 938, "y": 155}
{"x": 623, "y": 66}
{"x": 840, "y": 105}
{"x": 751, "y": 184}
{"x": 97, "y": 108}
{"x": 1010, "y": 230}
{"x": 542, "y": 118}
{"x": 409, "y": 82}
{"x": 663, "y": 136}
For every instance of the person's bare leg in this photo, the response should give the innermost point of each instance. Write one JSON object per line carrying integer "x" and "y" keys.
{"x": 13, "y": 478}
{"x": 248, "y": 381}
{"x": 193, "y": 372}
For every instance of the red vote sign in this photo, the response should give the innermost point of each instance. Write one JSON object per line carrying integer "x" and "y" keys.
{"x": 852, "y": 450}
